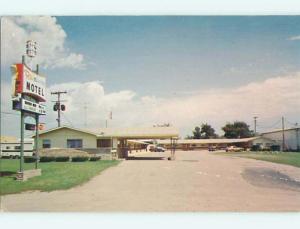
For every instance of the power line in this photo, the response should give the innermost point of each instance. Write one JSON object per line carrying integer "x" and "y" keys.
{"x": 271, "y": 126}
{"x": 291, "y": 123}
{"x": 65, "y": 116}
{"x": 283, "y": 135}
{"x": 85, "y": 108}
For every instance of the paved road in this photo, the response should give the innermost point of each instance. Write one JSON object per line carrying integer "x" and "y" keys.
{"x": 196, "y": 181}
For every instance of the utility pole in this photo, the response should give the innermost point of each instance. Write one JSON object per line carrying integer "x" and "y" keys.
{"x": 297, "y": 136}
{"x": 255, "y": 118}
{"x": 85, "y": 114}
{"x": 109, "y": 117}
{"x": 283, "y": 137}
{"x": 58, "y": 104}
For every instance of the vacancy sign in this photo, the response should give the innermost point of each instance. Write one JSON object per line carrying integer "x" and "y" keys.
{"x": 33, "y": 107}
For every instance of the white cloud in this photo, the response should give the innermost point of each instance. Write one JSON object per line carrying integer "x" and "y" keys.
{"x": 294, "y": 38}
{"x": 269, "y": 100}
{"x": 48, "y": 34}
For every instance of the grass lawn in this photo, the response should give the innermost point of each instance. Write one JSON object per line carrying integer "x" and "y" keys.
{"x": 55, "y": 175}
{"x": 288, "y": 158}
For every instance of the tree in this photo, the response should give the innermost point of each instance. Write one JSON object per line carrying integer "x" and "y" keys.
{"x": 207, "y": 131}
{"x": 197, "y": 133}
{"x": 189, "y": 137}
{"x": 237, "y": 129}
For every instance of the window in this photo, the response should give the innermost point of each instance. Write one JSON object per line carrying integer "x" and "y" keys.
{"x": 17, "y": 147}
{"x": 74, "y": 143}
{"x": 7, "y": 147}
{"x": 46, "y": 143}
{"x": 102, "y": 143}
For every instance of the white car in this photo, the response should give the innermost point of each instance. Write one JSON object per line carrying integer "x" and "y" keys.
{"x": 234, "y": 149}
{"x": 160, "y": 149}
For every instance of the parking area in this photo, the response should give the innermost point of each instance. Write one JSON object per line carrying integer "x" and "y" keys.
{"x": 195, "y": 181}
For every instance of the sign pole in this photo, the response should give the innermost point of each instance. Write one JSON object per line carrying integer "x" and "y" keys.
{"x": 22, "y": 133}
{"x": 36, "y": 140}
{"x": 36, "y": 131}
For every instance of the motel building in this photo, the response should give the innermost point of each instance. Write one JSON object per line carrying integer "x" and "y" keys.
{"x": 265, "y": 140}
{"x": 126, "y": 141}
{"x": 121, "y": 141}
{"x": 220, "y": 143}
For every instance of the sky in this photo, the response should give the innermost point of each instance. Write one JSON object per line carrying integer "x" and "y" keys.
{"x": 147, "y": 70}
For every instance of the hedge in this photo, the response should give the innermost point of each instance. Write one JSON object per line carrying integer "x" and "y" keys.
{"x": 29, "y": 159}
{"x": 47, "y": 159}
{"x": 79, "y": 159}
{"x": 62, "y": 159}
{"x": 95, "y": 158}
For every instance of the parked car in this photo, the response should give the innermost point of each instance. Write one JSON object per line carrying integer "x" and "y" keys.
{"x": 154, "y": 148}
{"x": 234, "y": 149}
{"x": 212, "y": 148}
{"x": 160, "y": 149}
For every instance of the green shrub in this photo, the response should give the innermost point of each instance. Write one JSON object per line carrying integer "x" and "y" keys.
{"x": 47, "y": 159}
{"x": 255, "y": 148}
{"x": 29, "y": 159}
{"x": 275, "y": 147}
{"x": 62, "y": 159}
{"x": 79, "y": 159}
{"x": 95, "y": 158}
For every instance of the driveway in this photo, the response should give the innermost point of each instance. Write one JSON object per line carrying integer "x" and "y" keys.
{"x": 195, "y": 181}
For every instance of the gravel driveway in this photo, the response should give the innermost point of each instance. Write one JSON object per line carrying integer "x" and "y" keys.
{"x": 195, "y": 181}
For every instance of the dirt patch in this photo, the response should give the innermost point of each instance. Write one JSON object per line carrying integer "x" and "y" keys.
{"x": 270, "y": 178}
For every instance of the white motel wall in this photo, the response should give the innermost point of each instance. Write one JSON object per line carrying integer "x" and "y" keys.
{"x": 58, "y": 138}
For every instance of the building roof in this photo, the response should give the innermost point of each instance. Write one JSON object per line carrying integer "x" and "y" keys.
{"x": 65, "y": 127}
{"x": 209, "y": 141}
{"x": 265, "y": 139}
{"x": 139, "y": 142}
{"x": 4, "y": 139}
{"x": 139, "y": 132}
{"x": 280, "y": 130}
{"x": 128, "y": 133}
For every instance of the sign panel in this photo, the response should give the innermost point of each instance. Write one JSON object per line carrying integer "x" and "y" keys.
{"x": 16, "y": 105}
{"x": 28, "y": 82}
{"x": 33, "y": 107}
{"x": 29, "y": 126}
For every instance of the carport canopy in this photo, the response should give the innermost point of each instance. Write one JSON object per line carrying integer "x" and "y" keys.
{"x": 138, "y": 133}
